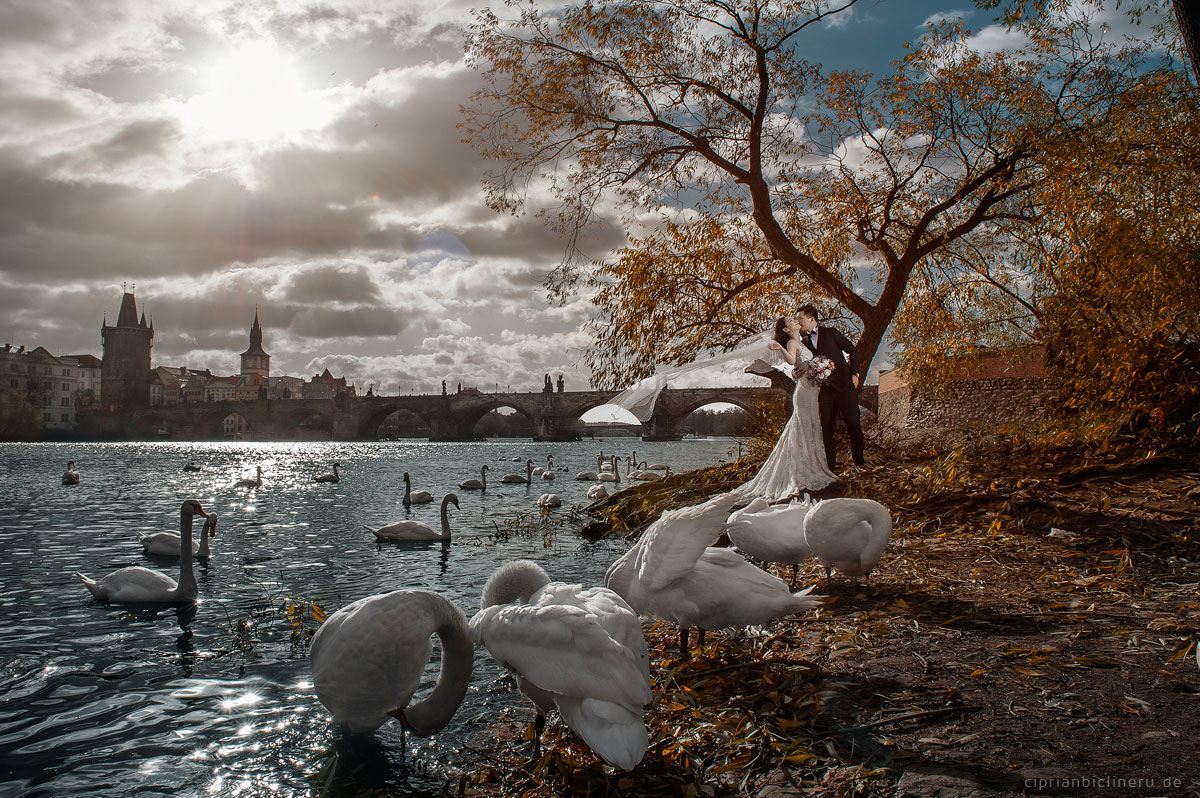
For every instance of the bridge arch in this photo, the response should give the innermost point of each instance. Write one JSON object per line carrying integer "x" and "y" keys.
{"x": 370, "y": 422}
{"x": 306, "y": 423}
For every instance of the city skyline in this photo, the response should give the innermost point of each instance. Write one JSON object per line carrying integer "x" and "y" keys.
{"x": 217, "y": 157}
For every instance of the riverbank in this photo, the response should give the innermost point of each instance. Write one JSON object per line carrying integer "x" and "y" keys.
{"x": 1032, "y": 628}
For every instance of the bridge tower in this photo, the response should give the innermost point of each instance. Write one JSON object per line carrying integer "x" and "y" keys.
{"x": 254, "y": 359}
{"x": 125, "y": 359}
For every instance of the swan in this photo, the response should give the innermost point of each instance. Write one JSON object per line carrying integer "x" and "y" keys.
{"x": 771, "y": 534}
{"x": 674, "y": 573}
{"x": 600, "y": 461}
{"x": 549, "y": 500}
{"x": 70, "y": 476}
{"x": 517, "y": 479}
{"x": 416, "y": 530}
{"x": 657, "y": 467}
{"x": 597, "y": 492}
{"x": 547, "y": 475}
{"x": 250, "y": 483}
{"x": 612, "y": 474}
{"x": 586, "y": 476}
{"x": 191, "y": 466}
{"x": 334, "y": 477}
{"x": 166, "y": 544}
{"x": 138, "y": 585}
{"x": 579, "y": 650}
{"x": 368, "y": 657}
{"x": 848, "y": 534}
{"x": 476, "y": 484}
{"x": 414, "y": 496}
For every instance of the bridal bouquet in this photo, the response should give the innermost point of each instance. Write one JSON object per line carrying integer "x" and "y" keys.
{"x": 819, "y": 370}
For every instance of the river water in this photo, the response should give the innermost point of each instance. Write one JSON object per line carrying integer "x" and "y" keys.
{"x": 107, "y": 700}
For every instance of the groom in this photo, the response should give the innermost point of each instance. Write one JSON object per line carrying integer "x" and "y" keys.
{"x": 840, "y": 394}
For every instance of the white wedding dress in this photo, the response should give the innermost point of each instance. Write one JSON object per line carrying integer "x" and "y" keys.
{"x": 797, "y": 463}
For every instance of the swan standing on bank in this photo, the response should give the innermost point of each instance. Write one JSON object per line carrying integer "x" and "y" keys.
{"x": 70, "y": 476}
{"x": 580, "y": 651}
{"x": 250, "y": 483}
{"x": 674, "y": 573}
{"x": 367, "y": 660}
{"x": 334, "y": 477}
{"x": 167, "y": 544}
{"x": 771, "y": 534}
{"x": 848, "y": 534}
{"x": 476, "y": 484}
{"x": 416, "y": 530}
{"x": 414, "y": 496}
{"x": 138, "y": 585}
{"x": 517, "y": 479}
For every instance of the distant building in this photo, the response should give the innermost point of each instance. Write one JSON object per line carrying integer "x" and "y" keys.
{"x": 221, "y": 389}
{"x": 327, "y": 386}
{"x": 50, "y": 384}
{"x": 254, "y": 359}
{"x": 89, "y": 369}
{"x": 125, "y": 362}
{"x": 285, "y": 388}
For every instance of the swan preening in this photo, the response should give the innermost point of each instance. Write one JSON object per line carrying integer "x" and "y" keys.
{"x": 597, "y": 492}
{"x": 517, "y": 479}
{"x": 848, "y": 534}
{"x": 414, "y": 496}
{"x": 674, "y": 573}
{"x": 549, "y": 500}
{"x": 579, "y": 651}
{"x": 476, "y": 484}
{"x": 416, "y": 530}
{"x": 334, "y": 477}
{"x": 137, "y": 585}
{"x": 167, "y": 544}
{"x": 250, "y": 483}
{"x": 367, "y": 660}
{"x": 70, "y": 476}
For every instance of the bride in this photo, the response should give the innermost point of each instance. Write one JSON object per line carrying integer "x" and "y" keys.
{"x": 797, "y": 463}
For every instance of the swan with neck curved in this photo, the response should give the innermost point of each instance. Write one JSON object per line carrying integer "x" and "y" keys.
{"x": 138, "y": 585}
{"x": 417, "y": 530}
{"x": 168, "y": 544}
{"x": 368, "y": 658}
{"x": 517, "y": 479}
{"x": 334, "y": 477}
{"x": 580, "y": 651}
{"x": 256, "y": 482}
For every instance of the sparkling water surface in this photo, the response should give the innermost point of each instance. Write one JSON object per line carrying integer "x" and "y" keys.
{"x": 108, "y": 700}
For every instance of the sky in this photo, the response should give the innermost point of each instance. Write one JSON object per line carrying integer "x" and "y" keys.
{"x": 298, "y": 157}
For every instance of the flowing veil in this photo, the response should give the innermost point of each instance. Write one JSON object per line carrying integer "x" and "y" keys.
{"x": 720, "y": 368}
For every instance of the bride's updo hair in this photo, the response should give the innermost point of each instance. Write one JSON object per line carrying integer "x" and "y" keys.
{"x": 781, "y": 335}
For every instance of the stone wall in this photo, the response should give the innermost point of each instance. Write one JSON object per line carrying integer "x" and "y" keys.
{"x": 977, "y": 403}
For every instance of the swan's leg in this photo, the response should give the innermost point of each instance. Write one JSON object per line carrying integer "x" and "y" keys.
{"x": 700, "y": 637}
{"x": 684, "y": 634}
{"x": 795, "y": 569}
{"x": 829, "y": 573}
{"x": 539, "y": 725}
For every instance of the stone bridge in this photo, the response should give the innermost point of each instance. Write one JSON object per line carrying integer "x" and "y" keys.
{"x": 554, "y": 416}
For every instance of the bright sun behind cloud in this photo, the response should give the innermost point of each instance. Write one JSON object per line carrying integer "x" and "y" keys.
{"x": 253, "y": 94}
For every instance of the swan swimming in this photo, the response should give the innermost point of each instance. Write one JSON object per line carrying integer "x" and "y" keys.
{"x": 70, "y": 476}
{"x": 417, "y": 530}
{"x": 577, "y": 650}
{"x": 368, "y": 658}
{"x": 250, "y": 483}
{"x": 166, "y": 544}
{"x": 476, "y": 484}
{"x": 334, "y": 477}
{"x": 414, "y": 496}
{"x": 138, "y": 585}
{"x": 517, "y": 479}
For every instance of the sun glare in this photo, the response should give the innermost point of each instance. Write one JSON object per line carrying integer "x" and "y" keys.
{"x": 253, "y": 94}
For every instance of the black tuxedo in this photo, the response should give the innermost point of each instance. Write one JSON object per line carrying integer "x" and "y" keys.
{"x": 839, "y": 394}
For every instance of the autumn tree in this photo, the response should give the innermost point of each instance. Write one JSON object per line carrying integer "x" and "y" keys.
{"x": 745, "y": 178}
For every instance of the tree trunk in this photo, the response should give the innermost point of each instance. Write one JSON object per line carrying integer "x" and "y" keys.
{"x": 1187, "y": 16}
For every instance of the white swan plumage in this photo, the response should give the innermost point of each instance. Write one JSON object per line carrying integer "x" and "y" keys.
{"x": 580, "y": 651}
{"x": 597, "y": 492}
{"x": 517, "y": 479}
{"x": 414, "y": 496}
{"x": 611, "y": 474}
{"x": 771, "y": 534}
{"x": 138, "y": 585}
{"x": 418, "y": 530}
{"x": 549, "y": 500}
{"x": 250, "y": 483}
{"x": 334, "y": 477}
{"x": 70, "y": 476}
{"x": 848, "y": 534}
{"x": 368, "y": 657}
{"x": 586, "y": 476}
{"x": 167, "y": 544}
{"x": 476, "y": 484}
{"x": 674, "y": 573}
